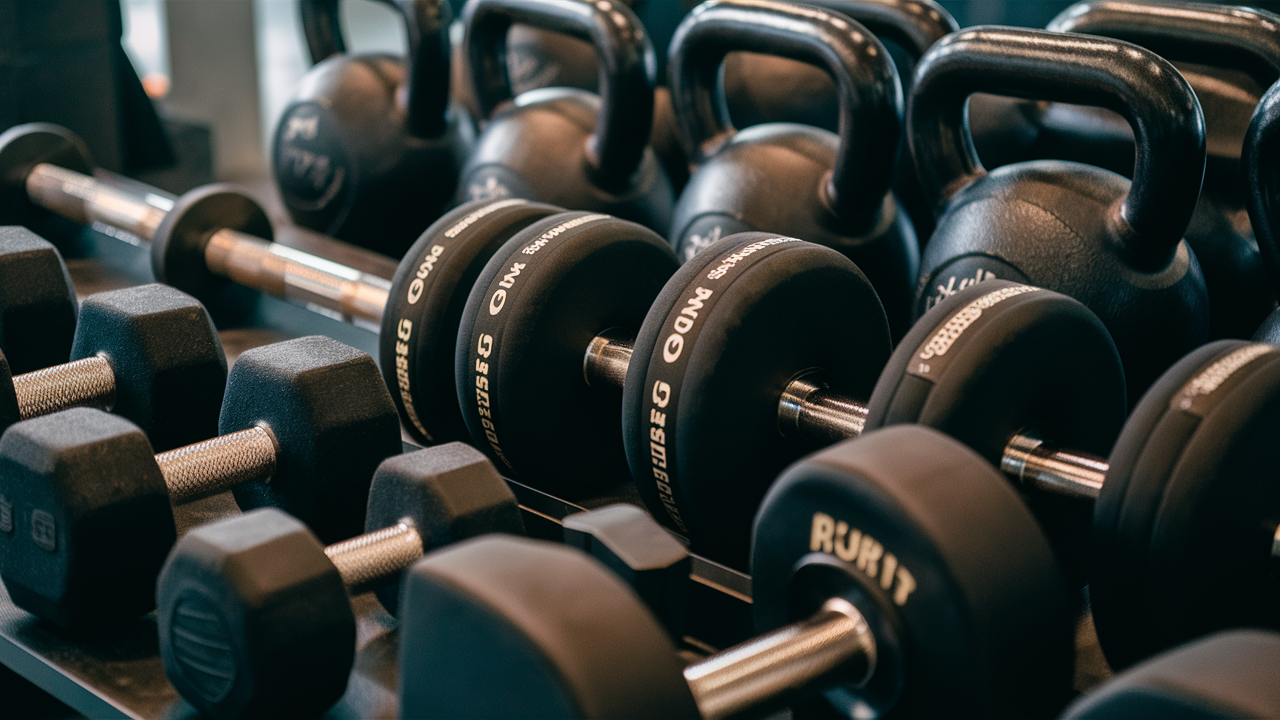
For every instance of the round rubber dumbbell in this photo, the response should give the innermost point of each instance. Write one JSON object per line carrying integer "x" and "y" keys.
{"x": 1227, "y": 675}
{"x": 149, "y": 353}
{"x": 254, "y": 613}
{"x": 791, "y": 179}
{"x": 1113, "y": 244}
{"x": 205, "y": 240}
{"x": 37, "y": 302}
{"x": 916, "y": 583}
{"x": 369, "y": 148}
{"x": 85, "y": 507}
{"x": 1262, "y": 182}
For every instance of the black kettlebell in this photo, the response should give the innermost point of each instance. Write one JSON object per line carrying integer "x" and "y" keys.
{"x": 790, "y": 179}
{"x": 1086, "y": 232}
{"x": 1229, "y": 56}
{"x": 369, "y": 149}
{"x": 562, "y": 145}
{"x": 1260, "y": 166}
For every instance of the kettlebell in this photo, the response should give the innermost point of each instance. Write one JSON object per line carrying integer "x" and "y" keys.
{"x": 791, "y": 179}
{"x": 1260, "y": 166}
{"x": 1229, "y": 56}
{"x": 369, "y": 149}
{"x": 566, "y": 146}
{"x": 1115, "y": 245}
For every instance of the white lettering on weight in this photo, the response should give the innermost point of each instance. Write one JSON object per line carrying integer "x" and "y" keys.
{"x": 836, "y": 537}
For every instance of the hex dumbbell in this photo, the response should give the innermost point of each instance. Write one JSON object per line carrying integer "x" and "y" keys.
{"x": 86, "y": 507}
{"x": 37, "y": 302}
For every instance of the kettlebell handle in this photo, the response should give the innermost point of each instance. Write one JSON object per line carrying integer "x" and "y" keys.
{"x": 1150, "y": 93}
{"x": 914, "y": 25}
{"x": 866, "y": 81}
{"x": 626, "y": 71}
{"x": 426, "y": 79}
{"x": 1260, "y": 165}
{"x": 1237, "y": 38}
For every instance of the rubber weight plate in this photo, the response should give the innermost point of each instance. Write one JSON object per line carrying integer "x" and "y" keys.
{"x": 177, "y": 250}
{"x": 710, "y": 364}
{"x": 22, "y": 147}
{"x": 1186, "y": 519}
{"x": 1000, "y": 358}
{"x": 425, "y": 304}
{"x": 971, "y": 613}
{"x": 524, "y": 335}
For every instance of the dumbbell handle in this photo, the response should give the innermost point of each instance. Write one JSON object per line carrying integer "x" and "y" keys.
{"x": 368, "y": 560}
{"x": 269, "y": 267}
{"x": 807, "y": 409}
{"x": 786, "y": 659}
{"x": 88, "y": 382}
{"x": 218, "y": 464}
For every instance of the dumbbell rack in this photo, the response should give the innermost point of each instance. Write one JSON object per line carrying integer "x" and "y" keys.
{"x": 119, "y": 673}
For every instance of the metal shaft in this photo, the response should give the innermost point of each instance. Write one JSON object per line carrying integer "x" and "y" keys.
{"x": 372, "y": 558}
{"x": 785, "y": 660}
{"x": 322, "y": 285}
{"x": 213, "y": 466}
{"x": 1061, "y": 472}
{"x": 89, "y": 382}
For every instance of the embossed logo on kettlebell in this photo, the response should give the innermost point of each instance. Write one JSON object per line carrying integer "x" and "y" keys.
{"x": 310, "y": 166}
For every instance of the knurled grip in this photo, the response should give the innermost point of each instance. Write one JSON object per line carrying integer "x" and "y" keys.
{"x": 213, "y": 466}
{"x": 369, "y": 559}
{"x": 81, "y": 383}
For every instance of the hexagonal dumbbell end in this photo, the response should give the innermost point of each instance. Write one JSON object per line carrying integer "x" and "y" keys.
{"x": 632, "y": 544}
{"x": 333, "y": 421}
{"x": 254, "y": 619}
{"x": 85, "y": 520}
{"x": 451, "y": 492}
{"x": 168, "y": 364}
{"x": 37, "y": 302}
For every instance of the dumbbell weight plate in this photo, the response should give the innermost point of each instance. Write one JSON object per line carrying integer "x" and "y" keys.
{"x": 997, "y": 359}
{"x": 918, "y": 525}
{"x": 1185, "y": 521}
{"x": 424, "y": 308}
{"x": 724, "y": 338}
{"x": 177, "y": 250}
{"x": 529, "y": 320}
{"x": 21, "y": 149}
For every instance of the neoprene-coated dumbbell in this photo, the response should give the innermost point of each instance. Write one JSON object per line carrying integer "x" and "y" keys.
{"x": 253, "y": 611}
{"x": 369, "y": 148}
{"x": 566, "y": 146}
{"x": 149, "y": 353}
{"x": 85, "y": 506}
{"x": 37, "y": 302}
{"x": 916, "y": 583}
{"x": 791, "y": 179}
{"x": 1113, "y": 244}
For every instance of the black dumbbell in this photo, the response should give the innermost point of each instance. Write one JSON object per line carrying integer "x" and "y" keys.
{"x": 37, "y": 301}
{"x": 253, "y": 611}
{"x": 915, "y": 583}
{"x": 369, "y": 149}
{"x": 86, "y": 504}
{"x": 206, "y": 240}
{"x": 791, "y": 179}
{"x": 562, "y": 145}
{"x": 1227, "y": 675}
{"x": 149, "y": 353}
{"x": 1113, "y": 244}
{"x": 1261, "y": 181}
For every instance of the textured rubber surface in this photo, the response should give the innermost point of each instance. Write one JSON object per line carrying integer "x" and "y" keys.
{"x": 37, "y": 301}
{"x": 970, "y": 610}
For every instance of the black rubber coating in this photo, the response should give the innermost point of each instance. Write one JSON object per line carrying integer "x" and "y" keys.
{"x": 524, "y": 335}
{"x": 449, "y": 492}
{"x": 169, "y": 367}
{"x": 22, "y": 147}
{"x": 728, "y": 332}
{"x": 254, "y": 620}
{"x": 424, "y": 307}
{"x": 1228, "y": 675}
{"x": 952, "y": 572}
{"x": 177, "y": 250}
{"x": 508, "y": 627}
{"x": 999, "y": 358}
{"x": 333, "y": 421}
{"x": 37, "y": 301}
{"x": 85, "y": 520}
{"x": 1185, "y": 492}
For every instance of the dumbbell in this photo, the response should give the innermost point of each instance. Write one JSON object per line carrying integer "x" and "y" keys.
{"x": 149, "y": 353}
{"x": 1227, "y": 675}
{"x": 1261, "y": 181}
{"x": 85, "y": 507}
{"x": 913, "y": 583}
{"x": 253, "y": 611}
{"x": 213, "y": 236}
{"x": 791, "y": 179}
{"x": 37, "y": 301}
{"x": 369, "y": 148}
{"x": 1113, "y": 244}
